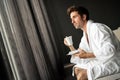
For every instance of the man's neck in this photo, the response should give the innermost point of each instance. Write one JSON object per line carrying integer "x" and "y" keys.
{"x": 85, "y": 27}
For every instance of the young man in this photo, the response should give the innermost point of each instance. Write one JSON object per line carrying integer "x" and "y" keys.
{"x": 99, "y": 49}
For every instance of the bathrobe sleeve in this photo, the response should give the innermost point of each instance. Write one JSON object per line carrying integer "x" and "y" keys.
{"x": 103, "y": 41}
{"x": 104, "y": 46}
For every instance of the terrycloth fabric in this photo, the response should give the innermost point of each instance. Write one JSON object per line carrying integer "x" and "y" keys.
{"x": 106, "y": 48}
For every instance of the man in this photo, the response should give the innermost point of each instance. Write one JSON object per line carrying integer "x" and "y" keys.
{"x": 99, "y": 50}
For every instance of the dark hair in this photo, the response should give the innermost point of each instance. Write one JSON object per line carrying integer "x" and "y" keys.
{"x": 81, "y": 10}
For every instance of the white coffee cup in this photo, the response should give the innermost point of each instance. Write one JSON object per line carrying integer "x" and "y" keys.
{"x": 69, "y": 40}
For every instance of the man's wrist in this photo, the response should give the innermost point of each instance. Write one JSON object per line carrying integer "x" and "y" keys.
{"x": 70, "y": 46}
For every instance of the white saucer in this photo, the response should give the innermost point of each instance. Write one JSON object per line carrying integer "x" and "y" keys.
{"x": 73, "y": 52}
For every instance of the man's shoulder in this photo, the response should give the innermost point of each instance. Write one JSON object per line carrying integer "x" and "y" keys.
{"x": 97, "y": 25}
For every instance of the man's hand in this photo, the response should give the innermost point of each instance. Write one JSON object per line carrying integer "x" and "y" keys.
{"x": 66, "y": 43}
{"x": 71, "y": 47}
{"x": 81, "y": 53}
{"x": 84, "y": 54}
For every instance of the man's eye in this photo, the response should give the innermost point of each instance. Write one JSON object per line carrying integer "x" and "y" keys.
{"x": 74, "y": 16}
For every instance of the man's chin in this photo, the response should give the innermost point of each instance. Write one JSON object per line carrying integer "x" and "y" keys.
{"x": 76, "y": 27}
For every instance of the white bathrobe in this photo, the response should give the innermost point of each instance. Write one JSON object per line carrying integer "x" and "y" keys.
{"x": 105, "y": 46}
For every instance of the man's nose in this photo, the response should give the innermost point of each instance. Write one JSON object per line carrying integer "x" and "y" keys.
{"x": 72, "y": 21}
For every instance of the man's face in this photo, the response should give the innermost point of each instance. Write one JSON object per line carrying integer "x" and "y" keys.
{"x": 77, "y": 20}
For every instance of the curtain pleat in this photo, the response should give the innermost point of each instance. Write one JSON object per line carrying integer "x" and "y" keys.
{"x": 28, "y": 40}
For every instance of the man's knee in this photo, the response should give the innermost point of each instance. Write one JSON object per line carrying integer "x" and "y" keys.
{"x": 82, "y": 74}
{"x": 77, "y": 70}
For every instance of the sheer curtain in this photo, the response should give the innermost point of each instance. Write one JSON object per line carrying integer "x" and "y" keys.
{"x": 29, "y": 42}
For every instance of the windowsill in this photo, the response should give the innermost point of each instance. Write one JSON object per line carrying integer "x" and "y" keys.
{"x": 68, "y": 65}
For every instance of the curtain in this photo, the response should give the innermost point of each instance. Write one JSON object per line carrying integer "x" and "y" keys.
{"x": 29, "y": 42}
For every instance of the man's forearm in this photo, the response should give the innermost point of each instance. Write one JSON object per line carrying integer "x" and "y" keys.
{"x": 87, "y": 55}
{"x": 90, "y": 55}
{"x": 71, "y": 48}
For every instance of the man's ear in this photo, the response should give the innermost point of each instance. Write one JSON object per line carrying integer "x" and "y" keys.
{"x": 84, "y": 17}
